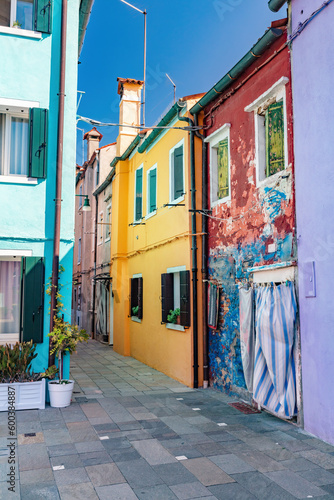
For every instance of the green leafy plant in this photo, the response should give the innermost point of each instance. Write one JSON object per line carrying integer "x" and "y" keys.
{"x": 17, "y": 24}
{"x": 135, "y": 310}
{"x": 50, "y": 373}
{"x": 64, "y": 336}
{"x": 173, "y": 315}
{"x": 15, "y": 362}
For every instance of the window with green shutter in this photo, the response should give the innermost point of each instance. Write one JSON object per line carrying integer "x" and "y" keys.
{"x": 151, "y": 190}
{"x": 223, "y": 169}
{"x": 178, "y": 190}
{"x": 175, "y": 294}
{"x": 274, "y": 125}
{"x": 42, "y": 15}
{"x": 38, "y": 149}
{"x": 136, "y": 297}
{"x": 139, "y": 194}
{"x": 32, "y": 299}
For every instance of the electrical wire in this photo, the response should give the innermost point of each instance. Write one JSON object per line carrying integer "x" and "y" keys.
{"x": 302, "y": 26}
{"x": 141, "y": 127}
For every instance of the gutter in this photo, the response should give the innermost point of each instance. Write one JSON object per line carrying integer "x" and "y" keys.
{"x": 169, "y": 116}
{"x": 275, "y": 5}
{"x": 84, "y": 14}
{"x": 113, "y": 164}
{"x": 256, "y": 51}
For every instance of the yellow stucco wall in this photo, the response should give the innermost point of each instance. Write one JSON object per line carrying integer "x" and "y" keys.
{"x": 163, "y": 242}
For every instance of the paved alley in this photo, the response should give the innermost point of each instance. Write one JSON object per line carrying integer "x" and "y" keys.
{"x": 131, "y": 432}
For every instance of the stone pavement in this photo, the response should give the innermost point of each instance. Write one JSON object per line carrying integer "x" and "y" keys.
{"x": 132, "y": 432}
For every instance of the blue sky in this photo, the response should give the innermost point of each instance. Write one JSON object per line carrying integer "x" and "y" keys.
{"x": 195, "y": 41}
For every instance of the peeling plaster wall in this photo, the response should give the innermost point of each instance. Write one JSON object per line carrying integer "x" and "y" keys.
{"x": 258, "y": 226}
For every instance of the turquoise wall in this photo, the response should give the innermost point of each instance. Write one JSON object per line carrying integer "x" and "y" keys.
{"x": 27, "y": 211}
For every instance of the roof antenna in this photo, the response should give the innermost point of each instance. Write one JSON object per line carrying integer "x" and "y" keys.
{"x": 169, "y": 78}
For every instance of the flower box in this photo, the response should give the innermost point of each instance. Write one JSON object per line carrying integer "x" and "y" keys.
{"x": 28, "y": 395}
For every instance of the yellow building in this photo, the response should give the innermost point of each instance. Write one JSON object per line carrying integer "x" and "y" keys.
{"x": 151, "y": 242}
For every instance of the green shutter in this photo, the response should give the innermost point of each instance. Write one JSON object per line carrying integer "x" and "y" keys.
{"x": 223, "y": 169}
{"x": 32, "y": 299}
{"x": 139, "y": 194}
{"x": 167, "y": 295}
{"x": 185, "y": 298}
{"x": 153, "y": 190}
{"x": 38, "y": 142}
{"x": 274, "y": 138}
{"x": 178, "y": 172}
{"x": 140, "y": 298}
{"x": 42, "y": 15}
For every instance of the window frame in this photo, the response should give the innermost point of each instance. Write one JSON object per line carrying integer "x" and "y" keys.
{"x": 79, "y": 250}
{"x": 139, "y": 301}
{"x": 213, "y": 141}
{"x": 108, "y": 223}
{"x": 100, "y": 228}
{"x": 137, "y": 221}
{"x": 38, "y": 23}
{"x": 171, "y": 174}
{"x": 278, "y": 92}
{"x": 148, "y": 199}
{"x": 176, "y": 272}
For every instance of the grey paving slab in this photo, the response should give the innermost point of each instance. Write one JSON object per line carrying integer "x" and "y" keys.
{"x": 88, "y": 446}
{"x": 318, "y": 476}
{"x": 82, "y": 431}
{"x": 231, "y": 464}
{"x": 261, "y": 486}
{"x": 139, "y": 473}
{"x": 14, "y": 494}
{"x": 153, "y": 452}
{"x": 299, "y": 464}
{"x": 68, "y": 461}
{"x": 44, "y": 491}
{"x": 190, "y": 490}
{"x": 179, "y": 425}
{"x": 104, "y": 474}
{"x": 82, "y": 491}
{"x": 175, "y": 473}
{"x": 70, "y": 476}
{"x": 231, "y": 492}
{"x": 95, "y": 458}
{"x": 33, "y": 456}
{"x": 63, "y": 449}
{"x": 206, "y": 471}
{"x": 161, "y": 492}
{"x": 295, "y": 484}
{"x": 117, "y": 492}
{"x": 36, "y": 476}
{"x": 260, "y": 461}
{"x": 325, "y": 460}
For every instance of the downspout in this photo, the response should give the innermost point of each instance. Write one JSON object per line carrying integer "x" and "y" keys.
{"x": 193, "y": 246}
{"x": 204, "y": 257}
{"x": 59, "y": 172}
{"x": 95, "y": 256}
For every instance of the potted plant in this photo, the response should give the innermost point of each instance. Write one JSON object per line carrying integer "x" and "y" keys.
{"x": 135, "y": 311}
{"x": 20, "y": 388}
{"x": 174, "y": 316}
{"x": 16, "y": 24}
{"x": 64, "y": 339}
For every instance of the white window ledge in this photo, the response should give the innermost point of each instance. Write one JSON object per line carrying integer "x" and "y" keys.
{"x": 173, "y": 326}
{"x": 17, "y": 179}
{"x": 20, "y": 32}
{"x": 136, "y": 319}
{"x": 151, "y": 214}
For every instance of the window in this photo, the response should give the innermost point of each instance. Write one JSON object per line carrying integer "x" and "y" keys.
{"x": 30, "y": 14}
{"x": 176, "y": 173}
{"x": 100, "y": 230}
{"x": 108, "y": 223}
{"x": 270, "y": 130}
{"x": 175, "y": 294}
{"x": 21, "y": 299}
{"x": 79, "y": 250}
{"x": 220, "y": 177}
{"x": 97, "y": 172}
{"x": 136, "y": 296}
{"x": 80, "y": 196}
{"x": 23, "y": 140}
{"x": 152, "y": 190}
{"x": 138, "y": 194}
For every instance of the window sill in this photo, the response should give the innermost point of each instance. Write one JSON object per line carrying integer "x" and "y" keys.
{"x": 172, "y": 326}
{"x": 272, "y": 179}
{"x": 177, "y": 201}
{"x": 135, "y": 319}
{"x": 148, "y": 216}
{"x": 17, "y": 179}
{"x": 20, "y": 32}
{"x": 106, "y": 240}
{"x": 221, "y": 201}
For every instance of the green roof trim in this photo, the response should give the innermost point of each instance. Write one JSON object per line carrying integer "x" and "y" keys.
{"x": 113, "y": 164}
{"x": 84, "y": 13}
{"x": 169, "y": 116}
{"x": 256, "y": 51}
{"x": 275, "y": 5}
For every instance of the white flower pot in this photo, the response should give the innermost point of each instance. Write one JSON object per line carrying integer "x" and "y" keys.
{"x": 60, "y": 394}
{"x": 25, "y": 395}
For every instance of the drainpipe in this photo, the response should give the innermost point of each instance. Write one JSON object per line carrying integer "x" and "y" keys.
{"x": 204, "y": 256}
{"x": 193, "y": 246}
{"x": 95, "y": 256}
{"x": 59, "y": 170}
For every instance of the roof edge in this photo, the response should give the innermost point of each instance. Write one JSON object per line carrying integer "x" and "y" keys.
{"x": 275, "y": 5}
{"x": 84, "y": 14}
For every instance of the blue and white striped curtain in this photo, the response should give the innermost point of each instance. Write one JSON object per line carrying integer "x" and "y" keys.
{"x": 274, "y": 368}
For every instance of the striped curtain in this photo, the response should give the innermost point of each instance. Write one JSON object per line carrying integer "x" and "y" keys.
{"x": 274, "y": 369}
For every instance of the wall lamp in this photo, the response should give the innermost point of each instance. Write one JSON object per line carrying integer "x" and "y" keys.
{"x": 86, "y": 206}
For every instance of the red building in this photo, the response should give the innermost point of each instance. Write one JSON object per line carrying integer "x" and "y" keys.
{"x": 247, "y": 118}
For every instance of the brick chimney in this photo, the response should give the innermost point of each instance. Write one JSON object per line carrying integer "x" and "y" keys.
{"x": 93, "y": 138}
{"x": 129, "y": 111}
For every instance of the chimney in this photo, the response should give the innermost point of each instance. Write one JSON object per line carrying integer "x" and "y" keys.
{"x": 129, "y": 111}
{"x": 93, "y": 138}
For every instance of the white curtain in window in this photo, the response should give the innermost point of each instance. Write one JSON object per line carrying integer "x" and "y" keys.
{"x": 10, "y": 278}
{"x": 19, "y": 146}
{"x": 2, "y": 138}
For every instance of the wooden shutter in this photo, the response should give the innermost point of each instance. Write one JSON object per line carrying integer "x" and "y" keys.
{"x": 167, "y": 295}
{"x": 134, "y": 294}
{"x": 153, "y": 190}
{"x": 140, "y": 297}
{"x": 185, "y": 298}
{"x": 139, "y": 194}
{"x": 178, "y": 172}
{"x": 38, "y": 142}
{"x": 223, "y": 169}
{"x": 42, "y": 15}
{"x": 32, "y": 299}
{"x": 213, "y": 311}
{"x": 274, "y": 138}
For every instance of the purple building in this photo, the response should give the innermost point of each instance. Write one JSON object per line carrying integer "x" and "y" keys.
{"x": 312, "y": 37}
